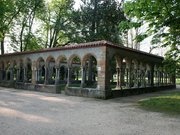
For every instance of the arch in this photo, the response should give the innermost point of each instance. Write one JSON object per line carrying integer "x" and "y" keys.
{"x": 40, "y": 63}
{"x": 50, "y": 58}
{"x": 51, "y": 72}
{"x": 72, "y": 57}
{"x": 21, "y": 71}
{"x": 87, "y": 56}
{"x": 89, "y": 63}
{"x": 28, "y": 65}
{"x": 61, "y": 58}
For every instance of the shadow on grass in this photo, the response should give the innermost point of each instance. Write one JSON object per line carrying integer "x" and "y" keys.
{"x": 168, "y": 104}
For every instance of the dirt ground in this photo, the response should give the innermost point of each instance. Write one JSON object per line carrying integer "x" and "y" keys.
{"x": 35, "y": 113}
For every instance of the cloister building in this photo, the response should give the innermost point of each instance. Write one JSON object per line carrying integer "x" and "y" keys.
{"x": 97, "y": 69}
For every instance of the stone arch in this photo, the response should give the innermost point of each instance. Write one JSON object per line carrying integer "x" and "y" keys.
{"x": 51, "y": 70}
{"x": 20, "y": 70}
{"x": 71, "y": 58}
{"x": 62, "y": 65}
{"x": 74, "y": 71}
{"x": 40, "y": 63}
{"x": 61, "y": 58}
{"x": 86, "y": 57}
{"x": 28, "y": 69}
{"x": 89, "y": 63}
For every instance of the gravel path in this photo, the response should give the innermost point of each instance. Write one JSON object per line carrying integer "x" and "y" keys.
{"x": 34, "y": 113}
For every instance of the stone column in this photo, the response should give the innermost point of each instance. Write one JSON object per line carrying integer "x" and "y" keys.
{"x": 152, "y": 76}
{"x": 34, "y": 78}
{"x": 25, "y": 75}
{"x": 0, "y": 74}
{"x": 57, "y": 75}
{"x": 83, "y": 76}
{"x": 17, "y": 75}
{"x": 11, "y": 74}
{"x": 46, "y": 79}
{"x": 69, "y": 77}
{"x": 128, "y": 74}
{"x": 118, "y": 78}
{"x": 143, "y": 77}
{"x": 136, "y": 75}
{"x": 119, "y": 73}
{"x": 90, "y": 64}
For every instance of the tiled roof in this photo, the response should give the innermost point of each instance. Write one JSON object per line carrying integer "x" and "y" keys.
{"x": 83, "y": 45}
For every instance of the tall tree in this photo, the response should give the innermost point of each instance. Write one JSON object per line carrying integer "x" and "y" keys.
{"x": 8, "y": 12}
{"x": 24, "y": 38}
{"x": 98, "y": 20}
{"x": 56, "y": 22}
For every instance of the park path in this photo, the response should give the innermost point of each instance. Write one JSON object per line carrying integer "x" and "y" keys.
{"x": 35, "y": 113}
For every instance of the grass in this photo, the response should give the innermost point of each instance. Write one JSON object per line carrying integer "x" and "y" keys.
{"x": 168, "y": 103}
{"x": 178, "y": 81}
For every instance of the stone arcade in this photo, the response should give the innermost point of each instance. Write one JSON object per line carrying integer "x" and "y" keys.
{"x": 97, "y": 69}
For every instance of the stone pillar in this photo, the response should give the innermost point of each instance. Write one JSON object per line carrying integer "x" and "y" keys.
{"x": 152, "y": 76}
{"x": 69, "y": 77}
{"x": 0, "y": 74}
{"x": 83, "y": 76}
{"x": 34, "y": 73}
{"x": 119, "y": 73}
{"x": 17, "y": 75}
{"x": 57, "y": 75}
{"x": 90, "y": 64}
{"x": 136, "y": 75}
{"x": 128, "y": 73}
{"x": 143, "y": 77}
{"x": 158, "y": 78}
{"x": 11, "y": 74}
{"x": 25, "y": 75}
{"x": 46, "y": 80}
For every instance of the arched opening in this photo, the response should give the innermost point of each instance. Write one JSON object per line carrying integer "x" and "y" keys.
{"x": 113, "y": 73}
{"x": 29, "y": 70}
{"x": 41, "y": 71}
{"x": 90, "y": 72}
{"x": 62, "y": 72}
{"x": 51, "y": 71}
{"x": 75, "y": 73}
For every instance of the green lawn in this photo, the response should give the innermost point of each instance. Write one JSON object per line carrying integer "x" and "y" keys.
{"x": 178, "y": 81}
{"x": 167, "y": 103}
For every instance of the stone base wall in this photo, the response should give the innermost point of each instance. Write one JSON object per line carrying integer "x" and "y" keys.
{"x": 9, "y": 84}
{"x": 29, "y": 86}
{"x": 87, "y": 92}
{"x": 137, "y": 91}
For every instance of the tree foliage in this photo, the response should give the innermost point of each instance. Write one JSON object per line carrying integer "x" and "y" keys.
{"x": 98, "y": 20}
{"x": 163, "y": 17}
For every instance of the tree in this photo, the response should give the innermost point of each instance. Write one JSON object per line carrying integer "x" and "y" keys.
{"x": 98, "y": 20}
{"x": 56, "y": 22}
{"x": 8, "y": 12}
{"x": 21, "y": 34}
{"x": 163, "y": 18}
